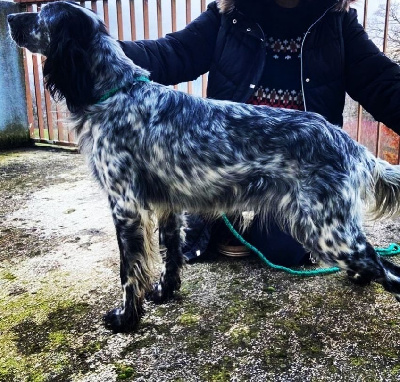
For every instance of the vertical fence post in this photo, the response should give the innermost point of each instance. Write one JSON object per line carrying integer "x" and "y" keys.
{"x": 385, "y": 40}
{"x": 14, "y": 130}
{"x": 359, "y": 108}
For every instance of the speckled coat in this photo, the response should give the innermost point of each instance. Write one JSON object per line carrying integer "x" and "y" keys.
{"x": 337, "y": 57}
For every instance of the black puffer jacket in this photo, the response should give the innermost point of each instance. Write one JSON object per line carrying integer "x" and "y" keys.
{"x": 337, "y": 57}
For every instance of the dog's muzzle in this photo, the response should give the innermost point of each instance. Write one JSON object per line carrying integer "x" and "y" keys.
{"x": 20, "y": 27}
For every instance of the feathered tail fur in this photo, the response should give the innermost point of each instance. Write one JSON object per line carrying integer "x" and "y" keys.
{"x": 386, "y": 180}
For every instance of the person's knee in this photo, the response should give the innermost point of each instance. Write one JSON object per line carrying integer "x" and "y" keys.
{"x": 277, "y": 246}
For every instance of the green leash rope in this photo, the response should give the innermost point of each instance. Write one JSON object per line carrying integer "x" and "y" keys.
{"x": 114, "y": 91}
{"x": 108, "y": 95}
{"x": 392, "y": 250}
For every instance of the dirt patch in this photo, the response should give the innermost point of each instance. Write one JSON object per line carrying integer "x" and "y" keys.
{"x": 233, "y": 320}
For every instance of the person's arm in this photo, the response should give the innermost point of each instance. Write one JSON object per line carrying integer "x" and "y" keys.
{"x": 179, "y": 56}
{"x": 372, "y": 79}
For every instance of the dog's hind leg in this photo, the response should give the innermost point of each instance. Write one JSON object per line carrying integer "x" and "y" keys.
{"x": 344, "y": 245}
{"x": 170, "y": 281}
{"x": 364, "y": 265}
{"x": 134, "y": 231}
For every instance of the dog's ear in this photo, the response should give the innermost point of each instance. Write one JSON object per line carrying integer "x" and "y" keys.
{"x": 67, "y": 69}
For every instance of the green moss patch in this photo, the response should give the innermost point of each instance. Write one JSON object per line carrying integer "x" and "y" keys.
{"x": 40, "y": 337}
{"x": 124, "y": 372}
{"x": 14, "y": 135}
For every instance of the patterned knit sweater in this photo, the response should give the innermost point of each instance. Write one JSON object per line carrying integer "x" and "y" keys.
{"x": 284, "y": 29}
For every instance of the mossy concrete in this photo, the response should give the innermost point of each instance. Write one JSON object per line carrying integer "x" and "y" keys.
{"x": 14, "y": 129}
{"x": 14, "y": 134}
{"x": 233, "y": 320}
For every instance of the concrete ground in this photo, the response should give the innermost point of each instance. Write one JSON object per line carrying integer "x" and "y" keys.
{"x": 233, "y": 320}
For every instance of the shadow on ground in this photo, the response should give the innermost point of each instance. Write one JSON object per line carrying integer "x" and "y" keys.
{"x": 233, "y": 320}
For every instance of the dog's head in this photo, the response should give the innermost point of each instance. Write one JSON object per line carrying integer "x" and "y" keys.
{"x": 40, "y": 32}
{"x": 63, "y": 32}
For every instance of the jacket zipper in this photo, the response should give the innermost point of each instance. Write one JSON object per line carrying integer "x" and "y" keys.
{"x": 301, "y": 53}
{"x": 251, "y": 91}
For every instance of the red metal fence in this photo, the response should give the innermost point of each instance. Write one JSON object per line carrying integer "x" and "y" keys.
{"x": 143, "y": 19}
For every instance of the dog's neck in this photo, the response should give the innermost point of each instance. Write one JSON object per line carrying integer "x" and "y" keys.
{"x": 91, "y": 73}
{"x": 113, "y": 91}
{"x": 112, "y": 69}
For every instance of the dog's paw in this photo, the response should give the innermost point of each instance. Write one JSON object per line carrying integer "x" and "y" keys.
{"x": 358, "y": 279}
{"x": 119, "y": 322}
{"x": 164, "y": 291}
{"x": 159, "y": 294}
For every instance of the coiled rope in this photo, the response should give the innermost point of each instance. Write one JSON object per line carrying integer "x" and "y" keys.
{"x": 392, "y": 250}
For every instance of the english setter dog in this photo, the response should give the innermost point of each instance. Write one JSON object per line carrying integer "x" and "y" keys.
{"x": 157, "y": 152}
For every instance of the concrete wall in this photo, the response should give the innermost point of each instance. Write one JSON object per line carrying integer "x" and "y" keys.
{"x": 14, "y": 129}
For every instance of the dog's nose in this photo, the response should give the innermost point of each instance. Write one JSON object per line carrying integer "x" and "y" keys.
{"x": 10, "y": 17}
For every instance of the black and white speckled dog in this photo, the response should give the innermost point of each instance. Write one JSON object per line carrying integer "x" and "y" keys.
{"x": 158, "y": 151}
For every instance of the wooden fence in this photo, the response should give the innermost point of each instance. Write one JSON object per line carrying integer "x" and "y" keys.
{"x": 126, "y": 19}
{"x": 143, "y": 19}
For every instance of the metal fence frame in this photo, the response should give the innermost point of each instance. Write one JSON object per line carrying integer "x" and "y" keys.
{"x": 48, "y": 121}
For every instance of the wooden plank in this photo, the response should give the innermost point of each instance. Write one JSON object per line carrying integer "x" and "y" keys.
{"x": 188, "y": 20}
{"x": 38, "y": 95}
{"x": 386, "y": 30}
{"x": 204, "y": 85}
{"x": 133, "y": 19}
{"x": 60, "y": 125}
{"x": 58, "y": 143}
{"x": 173, "y": 15}
{"x": 159, "y": 18}
{"x": 173, "y": 23}
{"x": 49, "y": 116}
{"x": 28, "y": 95}
{"x": 385, "y": 42}
{"x": 188, "y": 11}
{"x": 146, "y": 19}
{"x": 106, "y": 14}
{"x": 29, "y": 101}
{"x": 204, "y": 76}
{"x": 93, "y": 5}
{"x": 119, "y": 20}
{"x": 71, "y": 135}
{"x": 38, "y": 91}
{"x": 359, "y": 108}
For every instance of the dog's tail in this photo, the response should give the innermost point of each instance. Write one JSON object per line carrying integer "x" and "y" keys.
{"x": 386, "y": 188}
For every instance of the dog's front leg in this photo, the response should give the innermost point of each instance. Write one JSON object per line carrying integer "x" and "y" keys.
{"x": 135, "y": 245}
{"x": 170, "y": 237}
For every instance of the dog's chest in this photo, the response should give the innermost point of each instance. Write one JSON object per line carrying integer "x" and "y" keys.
{"x": 110, "y": 162}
